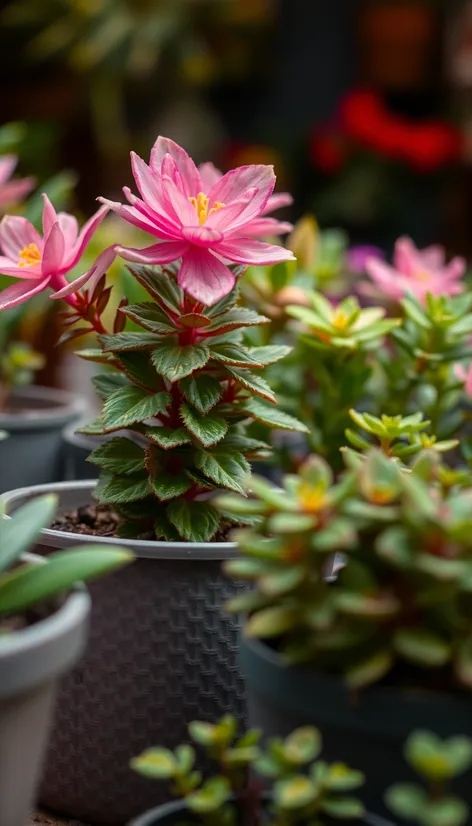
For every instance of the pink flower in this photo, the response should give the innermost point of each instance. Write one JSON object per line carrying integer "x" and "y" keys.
{"x": 42, "y": 261}
{"x": 417, "y": 271}
{"x": 12, "y": 191}
{"x": 206, "y": 226}
{"x": 259, "y": 227}
{"x": 465, "y": 375}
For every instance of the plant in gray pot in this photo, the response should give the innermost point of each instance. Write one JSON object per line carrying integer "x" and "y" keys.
{"x": 178, "y": 393}
{"x": 283, "y": 783}
{"x": 386, "y": 646}
{"x": 43, "y": 632}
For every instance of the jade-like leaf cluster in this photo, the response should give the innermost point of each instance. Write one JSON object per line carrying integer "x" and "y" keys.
{"x": 184, "y": 386}
{"x": 301, "y": 788}
{"x": 402, "y": 603}
{"x": 24, "y": 584}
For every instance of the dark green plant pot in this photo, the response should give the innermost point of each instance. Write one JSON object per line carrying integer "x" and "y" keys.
{"x": 366, "y": 732}
{"x": 176, "y": 813}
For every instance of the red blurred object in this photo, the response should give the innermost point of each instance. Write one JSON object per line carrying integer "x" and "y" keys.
{"x": 328, "y": 152}
{"x": 365, "y": 120}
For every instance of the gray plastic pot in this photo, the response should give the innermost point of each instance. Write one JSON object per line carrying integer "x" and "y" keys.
{"x": 176, "y": 813}
{"x": 162, "y": 652}
{"x": 34, "y": 454}
{"x": 368, "y": 732}
{"x": 77, "y": 449}
{"x": 31, "y": 662}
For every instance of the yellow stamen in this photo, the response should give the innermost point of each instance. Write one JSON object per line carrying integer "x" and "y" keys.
{"x": 339, "y": 320}
{"x": 200, "y": 205}
{"x": 29, "y": 256}
{"x": 312, "y": 497}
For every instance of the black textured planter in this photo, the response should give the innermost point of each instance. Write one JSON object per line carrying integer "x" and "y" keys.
{"x": 174, "y": 814}
{"x": 162, "y": 652}
{"x": 367, "y": 733}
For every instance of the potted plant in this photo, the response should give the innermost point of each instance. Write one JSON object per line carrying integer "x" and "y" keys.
{"x": 302, "y": 787}
{"x": 43, "y": 631}
{"x": 385, "y": 646}
{"x": 183, "y": 386}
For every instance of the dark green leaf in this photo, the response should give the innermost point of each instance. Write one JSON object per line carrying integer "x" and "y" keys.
{"x": 169, "y": 485}
{"x": 119, "y": 455}
{"x": 271, "y": 622}
{"x": 225, "y": 470}
{"x": 121, "y": 342}
{"x": 343, "y": 808}
{"x": 255, "y": 384}
{"x": 107, "y": 383}
{"x": 370, "y": 670}
{"x": 202, "y": 391}
{"x": 272, "y": 416}
{"x": 140, "y": 370}
{"x": 236, "y": 317}
{"x": 124, "y": 489}
{"x": 94, "y": 428}
{"x": 131, "y": 405}
{"x": 159, "y": 284}
{"x": 168, "y": 437}
{"x": 196, "y": 521}
{"x": 175, "y": 361}
{"x": 421, "y": 647}
{"x": 151, "y": 317}
{"x": 207, "y": 429}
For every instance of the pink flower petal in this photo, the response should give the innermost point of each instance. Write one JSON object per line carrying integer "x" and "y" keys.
{"x": 266, "y": 227}
{"x": 250, "y": 251}
{"x": 74, "y": 255}
{"x": 205, "y": 277}
{"x": 16, "y": 233}
{"x": 277, "y": 201}
{"x": 184, "y": 210}
{"x": 233, "y": 215}
{"x": 210, "y": 175}
{"x": 388, "y": 279}
{"x": 7, "y": 167}
{"x": 202, "y": 236}
{"x": 8, "y": 267}
{"x": 131, "y": 215}
{"x": 102, "y": 264}
{"x": 235, "y": 184}
{"x": 15, "y": 191}
{"x": 21, "y": 292}
{"x": 70, "y": 228}
{"x": 433, "y": 257}
{"x": 54, "y": 247}
{"x": 190, "y": 175}
{"x": 49, "y": 215}
{"x": 454, "y": 270}
{"x": 162, "y": 253}
{"x": 150, "y": 188}
{"x": 160, "y": 225}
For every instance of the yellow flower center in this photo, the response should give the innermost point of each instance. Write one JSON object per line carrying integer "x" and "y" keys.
{"x": 340, "y": 320}
{"x": 29, "y": 256}
{"x": 312, "y": 497}
{"x": 423, "y": 275}
{"x": 200, "y": 204}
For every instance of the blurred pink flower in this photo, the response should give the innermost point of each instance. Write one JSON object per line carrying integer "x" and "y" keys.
{"x": 260, "y": 227}
{"x": 417, "y": 271}
{"x": 11, "y": 192}
{"x": 42, "y": 261}
{"x": 357, "y": 257}
{"x": 465, "y": 375}
{"x": 206, "y": 227}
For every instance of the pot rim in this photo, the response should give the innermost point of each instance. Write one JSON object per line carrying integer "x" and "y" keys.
{"x": 67, "y": 406}
{"x": 174, "y": 807}
{"x": 41, "y": 651}
{"x": 217, "y": 551}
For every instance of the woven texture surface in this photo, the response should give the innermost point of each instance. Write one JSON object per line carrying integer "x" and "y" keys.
{"x": 162, "y": 652}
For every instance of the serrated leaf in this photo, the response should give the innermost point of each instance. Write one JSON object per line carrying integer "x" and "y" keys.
{"x": 175, "y": 361}
{"x": 168, "y": 437}
{"x": 196, "y": 521}
{"x": 273, "y": 417}
{"x": 249, "y": 381}
{"x": 107, "y": 383}
{"x": 119, "y": 455}
{"x": 235, "y": 318}
{"x": 124, "y": 489}
{"x": 168, "y": 486}
{"x": 121, "y": 342}
{"x": 159, "y": 284}
{"x": 138, "y": 367}
{"x": 131, "y": 405}
{"x": 93, "y": 354}
{"x": 150, "y": 316}
{"x": 225, "y": 470}
{"x": 202, "y": 391}
{"x": 156, "y": 764}
{"x": 233, "y": 354}
{"x": 207, "y": 429}
{"x": 421, "y": 647}
{"x": 94, "y": 428}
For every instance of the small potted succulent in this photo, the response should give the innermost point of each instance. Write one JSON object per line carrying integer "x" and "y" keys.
{"x": 179, "y": 387}
{"x": 385, "y": 647}
{"x": 303, "y": 789}
{"x": 43, "y": 630}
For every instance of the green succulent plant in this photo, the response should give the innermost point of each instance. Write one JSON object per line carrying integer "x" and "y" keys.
{"x": 303, "y": 789}
{"x": 402, "y": 603}
{"x": 25, "y": 585}
{"x": 397, "y": 436}
{"x": 437, "y": 761}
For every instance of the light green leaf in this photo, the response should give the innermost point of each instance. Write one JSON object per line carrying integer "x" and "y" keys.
{"x": 155, "y": 764}
{"x": 370, "y": 670}
{"x": 344, "y": 808}
{"x": 302, "y": 746}
{"x": 18, "y": 534}
{"x": 421, "y": 647}
{"x": 295, "y": 792}
{"x": 271, "y": 622}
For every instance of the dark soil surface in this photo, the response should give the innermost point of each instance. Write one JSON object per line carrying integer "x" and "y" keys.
{"x": 41, "y": 819}
{"x": 89, "y": 520}
{"x": 102, "y": 520}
